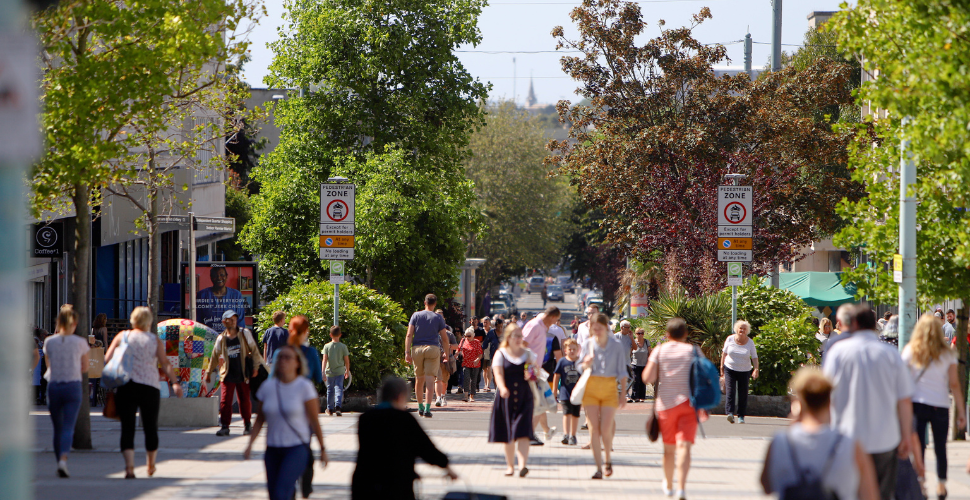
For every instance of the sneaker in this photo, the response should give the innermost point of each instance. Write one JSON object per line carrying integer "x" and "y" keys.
{"x": 337, "y": 411}
{"x": 62, "y": 469}
{"x": 444, "y": 402}
{"x": 572, "y": 440}
{"x": 247, "y": 430}
{"x": 437, "y": 402}
{"x": 681, "y": 495}
{"x": 584, "y": 427}
{"x": 740, "y": 420}
{"x": 427, "y": 414}
{"x": 459, "y": 391}
{"x": 223, "y": 432}
{"x": 535, "y": 442}
{"x": 629, "y": 400}
{"x": 565, "y": 439}
{"x": 668, "y": 492}
{"x": 552, "y": 432}
{"x": 420, "y": 413}
{"x": 730, "y": 418}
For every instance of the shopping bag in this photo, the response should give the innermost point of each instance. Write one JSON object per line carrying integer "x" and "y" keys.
{"x": 110, "y": 407}
{"x": 539, "y": 403}
{"x": 579, "y": 389}
{"x": 95, "y": 362}
{"x": 118, "y": 371}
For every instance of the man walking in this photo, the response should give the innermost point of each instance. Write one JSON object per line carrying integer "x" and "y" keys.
{"x": 872, "y": 398}
{"x": 426, "y": 332}
{"x": 948, "y": 331}
{"x": 534, "y": 335}
{"x": 843, "y": 326}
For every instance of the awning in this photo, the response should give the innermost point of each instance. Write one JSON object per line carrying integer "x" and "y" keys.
{"x": 818, "y": 289}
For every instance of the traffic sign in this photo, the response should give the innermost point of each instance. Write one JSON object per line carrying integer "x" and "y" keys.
{"x": 734, "y": 274}
{"x": 734, "y": 244}
{"x": 215, "y": 224}
{"x": 733, "y": 255}
{"x": 337, "y": 272}
{"x": 337, "y": 226}
{"x": 734, "y": 205}
{"x": 734, "y": 232}
{"x": 173, "y": 222}
{"x": 898, "y": 268}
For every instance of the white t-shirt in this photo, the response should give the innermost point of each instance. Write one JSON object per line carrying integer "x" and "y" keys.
{"x": 63, "y": 354}
{"x": 294, "y": 396}
{"x": 558, "y": 332}
{"x": 739, "y": 357}
{"x": 933, "y": 387}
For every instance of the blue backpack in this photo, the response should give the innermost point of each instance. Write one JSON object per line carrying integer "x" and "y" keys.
{"x": 705, "y": 382}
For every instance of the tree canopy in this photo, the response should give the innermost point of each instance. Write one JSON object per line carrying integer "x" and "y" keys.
{"x": 661, "y": 130}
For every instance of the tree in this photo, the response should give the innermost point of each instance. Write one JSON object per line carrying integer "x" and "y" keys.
{"x": 661, "y": 130}
{"x": 526, "y": 212}
{"x": 387, "y": 100}
{"x": 111, "y": 72}
{"x": 919, "y": 49}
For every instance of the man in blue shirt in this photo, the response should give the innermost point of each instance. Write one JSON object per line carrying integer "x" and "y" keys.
{"x": 274, "y": 337}
{"x": 426, "y": 346}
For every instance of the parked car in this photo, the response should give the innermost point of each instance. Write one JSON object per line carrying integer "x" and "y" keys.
{"x": 499, "y": 307}
{"x": 566, "y": 284}
{"x": 535, "y": 284}
{"x": 593, "y": 297}
{"x": 509, "y": 300}
{"x": 554, "y": 293}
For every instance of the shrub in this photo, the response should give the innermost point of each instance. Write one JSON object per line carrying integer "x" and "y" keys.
{"x": 759, "y": 304}
{"x": 372, "y": 325}
{"x": 784, "y": 345}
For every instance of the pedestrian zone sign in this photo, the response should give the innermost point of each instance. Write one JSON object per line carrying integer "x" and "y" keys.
{"x": 337, "y": 225}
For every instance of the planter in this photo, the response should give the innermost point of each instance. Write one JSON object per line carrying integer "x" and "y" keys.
{"x": 352, "y": 402}
{"x": 188, "y": 412}
{"x": 761, "y": 406}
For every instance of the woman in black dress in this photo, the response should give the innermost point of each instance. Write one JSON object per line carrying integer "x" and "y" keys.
{"x": 511, "y": 422}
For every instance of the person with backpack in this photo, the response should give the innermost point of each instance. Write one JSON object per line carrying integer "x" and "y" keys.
{"x": 812, "y": 460}
{"x": 606, "y": 389}
{"x": 670, "y": 367}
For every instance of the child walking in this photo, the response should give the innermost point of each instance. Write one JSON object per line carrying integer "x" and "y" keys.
{"x": 336, "y": 368}
{"x": 471, "y": 363}
{"x": 567, "y": 373}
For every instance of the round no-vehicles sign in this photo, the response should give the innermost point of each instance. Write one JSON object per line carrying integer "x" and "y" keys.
{"x": 734, "y": 205}
{"x": 337, "y": 203}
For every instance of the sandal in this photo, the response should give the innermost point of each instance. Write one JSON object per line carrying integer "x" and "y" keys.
{"x": 509, "y": 472}
{"x": 598, "y": 475}
{"x": 523, "y": 472}
{"x": 129, "y": 473}
{"x": 609, "y": 469}
{"x": 151, "y": 471}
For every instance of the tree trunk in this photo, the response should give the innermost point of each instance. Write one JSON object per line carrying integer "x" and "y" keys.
{"x": 154, "y": 252}
{"x": 962, "y": 351}
{"x": 80, "y": 286}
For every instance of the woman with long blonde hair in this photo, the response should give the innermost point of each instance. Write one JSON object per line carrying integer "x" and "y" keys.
{"x": 511, "y": 421}
{"x": 934, "y": 368}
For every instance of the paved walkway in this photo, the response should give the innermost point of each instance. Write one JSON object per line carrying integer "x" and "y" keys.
{"x": 194, "y": 463}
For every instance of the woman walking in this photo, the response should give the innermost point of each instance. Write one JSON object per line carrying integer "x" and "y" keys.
{"x": 471, "y": 362}
{"x": 147, "y": 354}
{"x": 669, "y": 367}
{"x": 606, "y": 389}
{"x": 511, "y": 421}
{"x": 99, "y": 333}
{"x": 934, "y": 368}
{"x": 641, "y": 354}
{"x": 290, "y": 410}
{"x": 739, "y": 364}
{"x": 67, "y": 360}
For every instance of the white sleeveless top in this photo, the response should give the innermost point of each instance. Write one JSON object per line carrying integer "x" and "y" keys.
{"x": 143, "y": 349}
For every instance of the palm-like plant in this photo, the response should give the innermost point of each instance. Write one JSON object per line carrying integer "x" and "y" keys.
{"x": 708, "y": 319}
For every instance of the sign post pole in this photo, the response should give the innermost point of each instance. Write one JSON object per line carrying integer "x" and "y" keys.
{"x": 192, "y": 257}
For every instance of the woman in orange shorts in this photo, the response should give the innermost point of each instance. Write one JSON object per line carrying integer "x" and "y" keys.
{"x": 606, "y": 389}
{"x": 669, "y": 366}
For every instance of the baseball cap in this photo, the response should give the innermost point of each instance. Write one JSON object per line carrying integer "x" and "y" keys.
{"x": 228, "y": 314}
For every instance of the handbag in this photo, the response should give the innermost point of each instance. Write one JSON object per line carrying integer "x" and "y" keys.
{"x": 110, "y": 407}
{"x": 576, "y": 397}
{"x": 907, "y": 482}
{"x": 117, "y": 372}
{"x": 653, "y": 423}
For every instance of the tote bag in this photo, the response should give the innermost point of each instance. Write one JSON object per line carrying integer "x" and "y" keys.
{"x": 576, "y": 397}
{"x": 117, "y": 372}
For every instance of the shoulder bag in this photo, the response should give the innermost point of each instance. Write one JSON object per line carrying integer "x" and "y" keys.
{"x": 653, "y": 424}
{"x": 118, "y": 370}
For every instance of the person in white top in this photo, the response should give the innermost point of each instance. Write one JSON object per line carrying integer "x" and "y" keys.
{"x": 812, "y": 446}
{"x": 872, "y": 399}
{"x": 739, "y": 364}
{"x": 290, "y": 409}
{"x": 934, "y": 368}
{"x": 147, "y": 354}
{"x": 67, "y": 360}
{"x": 582, "y": 335}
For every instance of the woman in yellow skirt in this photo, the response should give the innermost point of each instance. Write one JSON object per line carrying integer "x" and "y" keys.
{"x": 606, "y": 389}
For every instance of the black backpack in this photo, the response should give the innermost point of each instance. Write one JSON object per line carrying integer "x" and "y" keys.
{"x": 809, "y": 487}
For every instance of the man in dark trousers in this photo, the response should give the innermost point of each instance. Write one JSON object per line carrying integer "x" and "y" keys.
{"x": 390, "y": 440}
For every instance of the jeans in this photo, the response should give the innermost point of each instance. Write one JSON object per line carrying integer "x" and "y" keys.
{"x": 225, "y": 402}
{"x": 129, "y": 398}
{"x": 335, "y": 392}
{"x": 939, "y": 422}
{"x": 639, "y": 388}
{"x": 471, "y": 380}
{"x": 283, "y": 467}
{"x": 736, "y": 386}
{"x": 64, "y": 401}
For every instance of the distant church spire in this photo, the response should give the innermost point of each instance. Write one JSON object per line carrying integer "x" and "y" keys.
{"x": 531, "y": 99}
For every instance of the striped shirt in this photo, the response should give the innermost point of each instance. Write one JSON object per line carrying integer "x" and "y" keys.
{"x": 674, "y": 359}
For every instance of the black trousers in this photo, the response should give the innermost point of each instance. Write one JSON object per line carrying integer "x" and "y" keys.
{"x": 736, "y": 386}
{"x": 129, "y": 398}
{"x": 887, "y": 465}
{"x": 939, "y": 421}
{"x": 639, "y": 388}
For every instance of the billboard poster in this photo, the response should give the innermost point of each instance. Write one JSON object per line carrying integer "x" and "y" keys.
{"x": 222, "y": 286}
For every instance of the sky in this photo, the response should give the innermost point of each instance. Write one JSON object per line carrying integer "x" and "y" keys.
{"x": 514, "y": 28}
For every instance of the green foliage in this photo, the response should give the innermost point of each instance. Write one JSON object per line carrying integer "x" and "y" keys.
{"x": 389, "y": 106}
{"x": 372, "y": 325}
{"x": 526, "y": 212}
{"x": 760, "y": 305}
{"x": 920, "y": 51}
{"x": 238, "y": 207}
{"x": 784, "y": 345}
{"x": 708, "y": 319}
